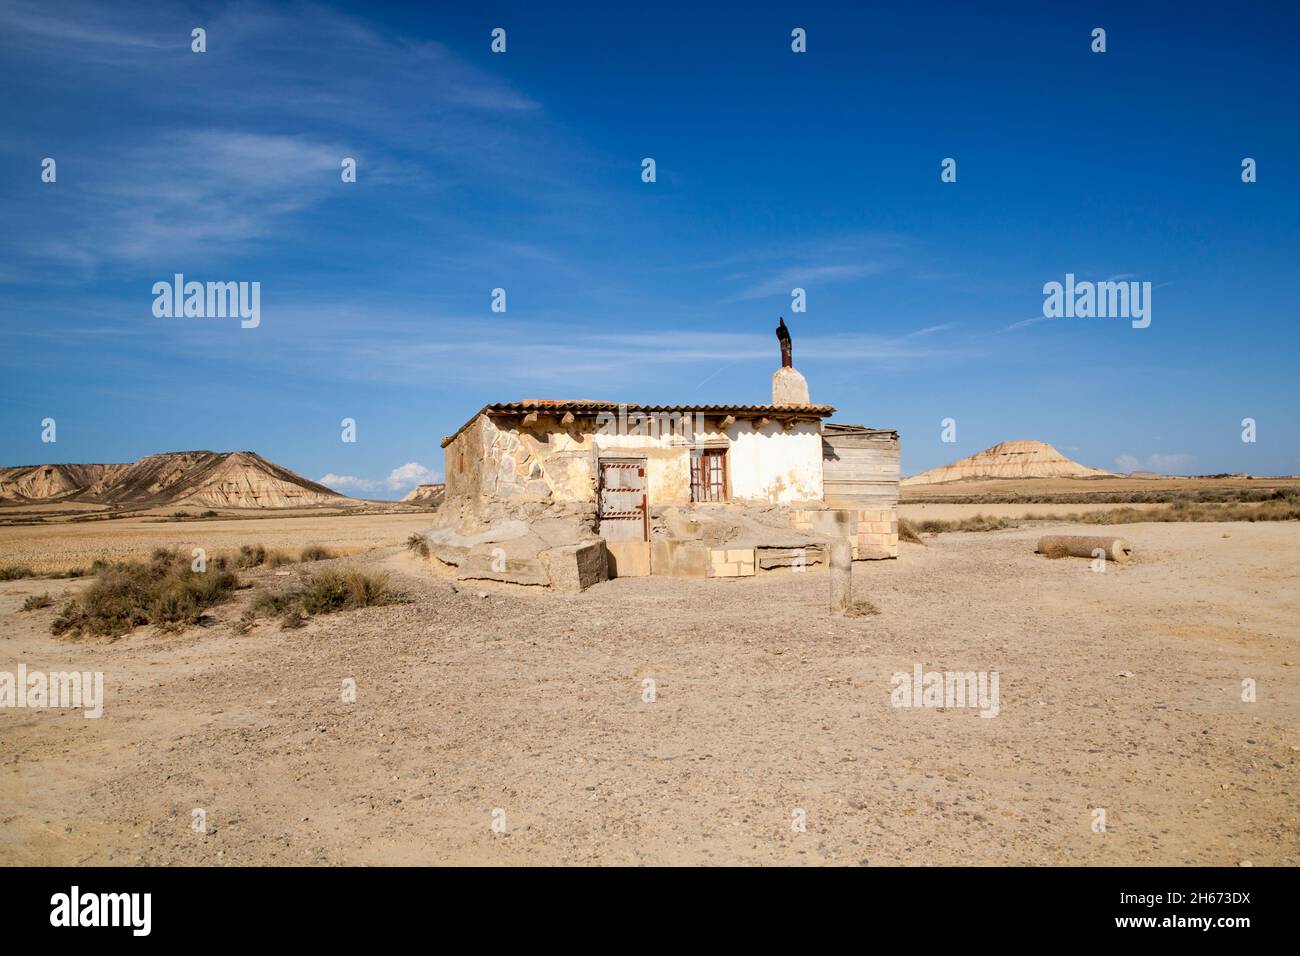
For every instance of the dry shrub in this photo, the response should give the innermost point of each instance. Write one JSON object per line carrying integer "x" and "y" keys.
{"x": 278, "y": 559}
{"x": 38, "y": 601}
{"x": 250, "y": 556}
{"x": 326, "y": 592}
{"x": 978, "y": 522}
{"x": 292, "y": 619}
{"x": 162, "y": 591}
{"x": 907, "y": 532}
{"x": 862, "y": 609}
{"x": 332, "y": 590}
{"x": 272, "y": 604}
{"x": 1285, "y": 508}
{"x": 12, "y": 572}
{"x": 315, "y": 552}
{"x": 418, "y": 544}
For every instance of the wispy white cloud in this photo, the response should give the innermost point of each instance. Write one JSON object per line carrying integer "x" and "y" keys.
{"x": 347, "y": 483}
{"x": 807, "y": 277}
{"x": 1024, "y": 323}
{"x": 410, "y": 475}
{"x": 296, "y": 87}
{"x": 401, "y": 478}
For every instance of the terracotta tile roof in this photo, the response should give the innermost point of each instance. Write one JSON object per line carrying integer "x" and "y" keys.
{"x": 588, "y": 406}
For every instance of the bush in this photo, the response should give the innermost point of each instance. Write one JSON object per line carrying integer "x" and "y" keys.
{"x": 38, "y": 601}
{"x": 163, "y": 591}
{"x": 418, "y": 544}
{"x": 1271, "y": 509}
{"x": 977, "y": 523}
{"x": 207, "y": 514}
{"x": 331, "y": 591}
{"x": 250, "y": 556}
{"x": 315, "y": 552}
{"x": 276, "y": 559}
{"x": 270, "y": 604}
{"x": 70, "y": 573}
{"x": 907, "y": 532}
{"x": 292, "y": 619}
{"x": 12, "y": 572}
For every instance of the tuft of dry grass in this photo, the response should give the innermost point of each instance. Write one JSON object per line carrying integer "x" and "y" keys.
{"x": 250, "y": 556}
{"x": 326, "y": 592}
{"x": 331, "y": 591}
{"x": 315, "y": 552}
{"x": 907, "y": 532}
{"x": 162, "y": 591}
{"x": 37, "y": 601}
{"x": 418, "y": 544}
{"x": 254, "y": 556}
{"x": 292, "y": 619}
{"x": 13, "y": 572}
{"x": 273, "y": 604}
{"x": 862, "y": 609}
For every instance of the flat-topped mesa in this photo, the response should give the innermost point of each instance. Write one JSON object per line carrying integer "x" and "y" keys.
{"x": 788, "y": 386}
{"x": 1020, "y": 458}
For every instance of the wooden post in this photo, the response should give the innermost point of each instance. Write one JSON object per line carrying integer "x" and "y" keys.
{"x": 841, "y": 576}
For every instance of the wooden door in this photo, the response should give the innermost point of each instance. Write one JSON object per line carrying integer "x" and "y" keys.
{"x": 623, "y": 506}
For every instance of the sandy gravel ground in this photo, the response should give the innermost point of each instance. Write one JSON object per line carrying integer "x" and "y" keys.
{"x": 532, "y": 704}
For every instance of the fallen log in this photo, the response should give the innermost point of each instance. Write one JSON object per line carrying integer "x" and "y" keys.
{"x": 1084, "y": 546}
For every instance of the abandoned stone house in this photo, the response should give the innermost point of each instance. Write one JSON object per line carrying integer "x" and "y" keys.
{"x": 569, "y": 492}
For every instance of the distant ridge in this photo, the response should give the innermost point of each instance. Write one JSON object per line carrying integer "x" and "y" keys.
{"x": 1009, "y": 459}
{"x": 426, "y": 494}
{"x": 235, "y": 479}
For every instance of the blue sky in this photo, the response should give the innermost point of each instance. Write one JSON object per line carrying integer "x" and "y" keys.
{"x": 522, "y": 171}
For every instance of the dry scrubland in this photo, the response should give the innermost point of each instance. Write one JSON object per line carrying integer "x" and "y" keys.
{"x": 60, "y": 545}
{"x": 1119, "y": 690}
{"x": 978, "y": 505}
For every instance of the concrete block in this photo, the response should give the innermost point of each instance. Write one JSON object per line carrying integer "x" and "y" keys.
{"x": 482, "y": 564}
{"x": 576, "y": 567}
{"x": 731, "y": 562}
{"x": 809, "y": 559}
{"x": 628, "y": 559}
{"x": 688, "y": 559}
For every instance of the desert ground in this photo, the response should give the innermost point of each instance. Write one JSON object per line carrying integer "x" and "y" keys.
{"x": 58, "y": 545}
{"x": 1119, "y": 690}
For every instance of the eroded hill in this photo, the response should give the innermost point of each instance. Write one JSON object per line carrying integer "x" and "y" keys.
{"x": 238, "y": 479}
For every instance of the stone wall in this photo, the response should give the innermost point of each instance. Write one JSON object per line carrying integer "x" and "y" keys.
{"x": 546, "y": 459}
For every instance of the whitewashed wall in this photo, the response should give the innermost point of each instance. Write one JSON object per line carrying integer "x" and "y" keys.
{"x": 774, "y": 465}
